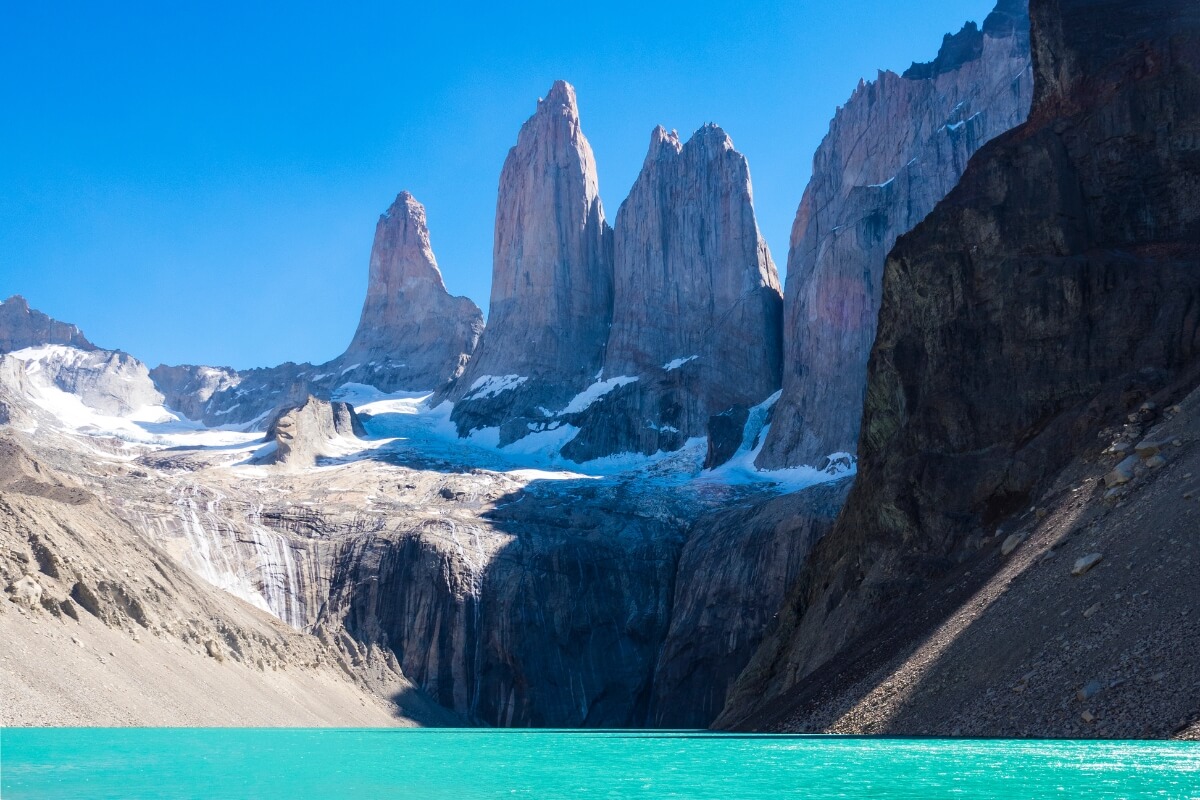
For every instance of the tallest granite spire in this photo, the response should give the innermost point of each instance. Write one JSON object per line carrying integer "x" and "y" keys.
{"x": 552, "y": 283}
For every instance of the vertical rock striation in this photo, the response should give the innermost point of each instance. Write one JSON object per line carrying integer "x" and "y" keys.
{"x": 893, "y": 151}
{"x": 1055, "y": 287}
{"x": 696, "y": 301}
{"x": 551, "y": 301}
{"x": 413, "y": 333}
{"x": 735, "y": 571}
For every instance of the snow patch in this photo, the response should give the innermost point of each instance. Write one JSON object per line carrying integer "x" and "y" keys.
{"x": 491, "y": 385}
{"x": 741, "y": 471}
{"x": 594, "y": 392}
{"x": 678, "y": 362}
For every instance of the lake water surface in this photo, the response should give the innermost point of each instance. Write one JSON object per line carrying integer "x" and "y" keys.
{"x": 467, "y": 764}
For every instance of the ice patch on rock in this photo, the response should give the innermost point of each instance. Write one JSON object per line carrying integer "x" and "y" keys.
{"x": 678, "y": 362}
{"x": 594, "y": 392}
{"x": 491, "y": 385}
{"x": 740, "y": 470}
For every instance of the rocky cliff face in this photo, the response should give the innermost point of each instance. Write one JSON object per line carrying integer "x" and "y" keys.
{"x": 21, "y": 327}
{"x": 551, "y": 301}
{"x": 1055, "y": 289}
{"x": 734, "y": 572}
{"x": 107, "y": 381}
{"x": 406, "y": 552}
{"x": 696, "y": 320}
{"x": 303, "y": 434}
{"x": 413, "y": 334}
{"x": 893, "y": 151}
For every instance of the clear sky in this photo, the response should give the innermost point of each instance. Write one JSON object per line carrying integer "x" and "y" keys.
{"x": 198, "y": 182}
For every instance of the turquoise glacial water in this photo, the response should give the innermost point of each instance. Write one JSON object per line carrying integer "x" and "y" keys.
{"x": 466, "y": 764}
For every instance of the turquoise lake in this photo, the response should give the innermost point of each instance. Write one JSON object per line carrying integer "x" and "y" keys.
{"x": 464, "y": 764}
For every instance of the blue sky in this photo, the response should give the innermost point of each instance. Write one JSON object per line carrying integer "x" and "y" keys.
{"x": 199, "y": 182}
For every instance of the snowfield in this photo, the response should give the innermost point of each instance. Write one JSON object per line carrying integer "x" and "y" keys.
{"x": 112, "y": 397}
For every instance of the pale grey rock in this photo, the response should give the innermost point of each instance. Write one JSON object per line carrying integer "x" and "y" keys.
{"x": 190, "y": 390}
{"x": 413, "y": 334}
{"x": 307, "y": 432}
{"x": 1122, "y": 473}
{"x": 1085, "y": 563}
{"x": 226, "y": 396}
{"x": 696, "y": 301}
{"x": 21, "y": 327}
{"x": 552, "y": 292}
{"x": 897, "y": 147}
{"x": 26, "y": 591}
{"x": 1148, "y": 448}
{"x": 107, "y": 381}
{"x": 1011, "y": 543}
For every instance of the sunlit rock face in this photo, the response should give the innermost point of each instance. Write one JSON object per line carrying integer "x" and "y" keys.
{"x": 303, "y": 434}
{"x": 696, "y": 304}
{"x": 413, "y": 334}
{"x": 893, "y": 151}
{"x": 22, "y": 327}
{"x": 551, "y": 301}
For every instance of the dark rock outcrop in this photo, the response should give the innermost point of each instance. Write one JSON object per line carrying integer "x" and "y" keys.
{"x": 1053, "y": 290}
{"x": 551, "y": 301}
{"x": 22, "y": 327}
{"x": 892, "y": 152}
{"x": 413, "y": 334}
{"x": 696, "y": 302}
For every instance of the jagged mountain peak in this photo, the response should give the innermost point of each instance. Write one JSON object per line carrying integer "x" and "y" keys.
{"x": 696, "y": 309}
{"x": 406, "y": 239}
{"x": 561, "y": 95}
{"x": 22, "y": 326}
{"x": 551, "y": 299}
{"x": 409, "y": 320}
{"x": 663, "y": 143}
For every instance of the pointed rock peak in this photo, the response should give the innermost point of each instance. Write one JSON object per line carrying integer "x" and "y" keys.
{"x": 402, "y": 247}
{"x": 712, "y": 138}
{"x": 663, "y": 143}
{"x": 661, "y": 135}
{"x": 17, "y": 302}
{"x": 561, "y": 95}
{"x": 406, "y": 205}
{"x": 408, "y": 317}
